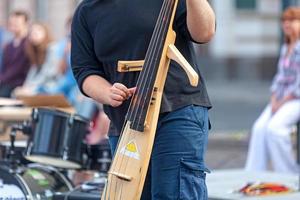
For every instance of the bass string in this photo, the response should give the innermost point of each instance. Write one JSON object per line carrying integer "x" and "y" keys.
{"x": 156, "y": 39}
{"x": 145, "y": 70}
{"x": 149, "y": 83}
{"x": 163, "y": 28}
{"x": 130, "y": 113}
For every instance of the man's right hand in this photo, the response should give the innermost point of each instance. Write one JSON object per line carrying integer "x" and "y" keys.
{"x": 103, "y": 92}
{"x": 119, "y": 93}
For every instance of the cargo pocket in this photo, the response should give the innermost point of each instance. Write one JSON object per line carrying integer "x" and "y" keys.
{"x": 192, "y": 181}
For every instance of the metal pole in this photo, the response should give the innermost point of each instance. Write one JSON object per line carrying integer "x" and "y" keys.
{"x": 298, "y": 150}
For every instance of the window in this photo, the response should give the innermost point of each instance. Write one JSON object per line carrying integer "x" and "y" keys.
{"x": 245, "y": 4}
{"x": 42, "y": 10}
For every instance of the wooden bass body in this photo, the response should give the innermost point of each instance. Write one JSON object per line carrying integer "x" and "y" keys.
{"x": 130, "y": 164}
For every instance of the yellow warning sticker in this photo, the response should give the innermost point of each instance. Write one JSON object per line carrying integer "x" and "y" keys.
{"x": 131, "y": 150}
{"x": 131, "y": 147}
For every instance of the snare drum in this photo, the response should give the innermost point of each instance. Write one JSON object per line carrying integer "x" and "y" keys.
{"x": 56, "y": 138}
{"x": 32, "y": 182}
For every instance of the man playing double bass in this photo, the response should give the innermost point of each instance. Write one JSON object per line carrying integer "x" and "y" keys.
{"x": 106, "y": 31}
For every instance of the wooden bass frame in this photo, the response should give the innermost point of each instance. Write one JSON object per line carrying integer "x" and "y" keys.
{"x": 129, "y": 167}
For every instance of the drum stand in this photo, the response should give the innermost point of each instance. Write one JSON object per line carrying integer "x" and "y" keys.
{"x": 13, "y": 163}
{"x": 12, "y": 160}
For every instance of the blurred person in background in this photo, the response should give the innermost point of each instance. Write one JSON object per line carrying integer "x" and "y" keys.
{"x": 66, "y": 83}
{"x": 64, "y": 44}
{"x": 16, "y": 63}
{"x": 5, "y": 37}
{"x": 44, "y": 69}
{"x": 271, "y": 133}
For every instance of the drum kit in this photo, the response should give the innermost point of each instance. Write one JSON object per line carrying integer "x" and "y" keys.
{"x": 38, "y": 168}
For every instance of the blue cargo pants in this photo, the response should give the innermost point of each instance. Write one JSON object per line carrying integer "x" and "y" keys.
{"x": 177, "y": 170}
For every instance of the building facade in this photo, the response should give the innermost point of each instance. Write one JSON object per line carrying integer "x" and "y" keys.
{"x": 53, "y": 12}
{"x": 248, "y": 39}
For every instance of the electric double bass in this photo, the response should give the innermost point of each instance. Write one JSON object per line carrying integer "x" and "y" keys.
{"x": 129, "y": 167}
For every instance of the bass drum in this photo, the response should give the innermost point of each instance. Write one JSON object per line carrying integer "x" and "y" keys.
{"x": 99, "y": 157}
{"x": 34, "y": 182}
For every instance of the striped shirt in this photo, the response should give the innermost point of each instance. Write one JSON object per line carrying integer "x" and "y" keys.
{"x": 287, "y": 79}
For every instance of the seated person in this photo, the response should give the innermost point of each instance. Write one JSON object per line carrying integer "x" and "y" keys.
{"x": 271, "y": 133}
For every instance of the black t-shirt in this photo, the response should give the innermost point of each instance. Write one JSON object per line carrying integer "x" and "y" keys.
{"x": 106, "y": 31}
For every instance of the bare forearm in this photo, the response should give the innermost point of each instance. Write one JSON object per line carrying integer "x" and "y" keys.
{"x": 200, "y": 20}
{"x": 103, "y": 92}
{"x": 97, "y": 88}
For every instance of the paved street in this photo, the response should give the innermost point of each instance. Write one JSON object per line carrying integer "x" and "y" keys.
{"x": 236, "y": 105}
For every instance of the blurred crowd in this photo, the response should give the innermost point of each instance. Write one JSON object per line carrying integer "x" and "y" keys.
{"x": 32, "y": 62}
